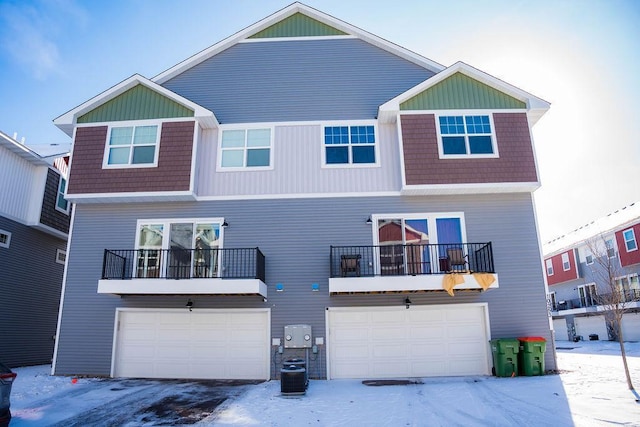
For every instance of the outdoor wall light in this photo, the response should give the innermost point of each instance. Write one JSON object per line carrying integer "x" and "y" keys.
{"x": 407, "y": 302}
{"x": 225, "y": 224}
{"x": 189, "y": 305}
{"x": 279, "y": 287}
{"x": 315, "y": 287}
{"x": 369, "y": 221}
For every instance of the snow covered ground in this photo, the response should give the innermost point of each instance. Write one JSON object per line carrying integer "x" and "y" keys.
{"x": 590, "y": 391}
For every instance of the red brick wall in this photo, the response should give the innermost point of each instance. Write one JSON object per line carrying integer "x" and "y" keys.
{"x": 173, "y": 172}
{"x": 423, "y": 166}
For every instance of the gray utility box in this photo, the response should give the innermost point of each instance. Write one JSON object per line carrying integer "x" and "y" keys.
{"x": 297, "y": 336}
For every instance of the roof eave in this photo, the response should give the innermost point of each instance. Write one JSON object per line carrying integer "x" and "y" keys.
{"x": 536, "y": 107}
{"x": 68, "y": 121}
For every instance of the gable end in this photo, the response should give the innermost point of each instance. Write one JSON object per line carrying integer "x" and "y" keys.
{"x": 298, "y": 25}
{"x": 137, "y": 103}
{"x": 461, "y": 92}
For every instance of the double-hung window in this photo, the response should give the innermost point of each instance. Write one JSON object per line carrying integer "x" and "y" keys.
{"x": 611, "y": 250}
{"x": 566, "y": 265}
{"x": 549, "y": 265}
{"x": 630, "y": 240}
{"x": 350, "y": 145}
{"x": 245, "y": 148}
{"x": 61, "y": 203}
{"x": 132, "y": 146}
{"x": 466, "y": 136}
{"x": 5, "y": 239}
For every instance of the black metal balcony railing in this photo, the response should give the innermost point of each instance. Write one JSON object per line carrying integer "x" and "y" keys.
{"x": 626, "y": 296}
{"x": 244, "y": 263}
{"x": 411, "y": 260}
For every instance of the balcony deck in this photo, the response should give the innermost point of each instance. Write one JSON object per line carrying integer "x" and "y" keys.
{"x": 183, "y": 272}
{"x": 412, "y": 268}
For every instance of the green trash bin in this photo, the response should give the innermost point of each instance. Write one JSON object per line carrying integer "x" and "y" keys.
{"x": 505, "y": 356}
{"x": 531, "y": 355}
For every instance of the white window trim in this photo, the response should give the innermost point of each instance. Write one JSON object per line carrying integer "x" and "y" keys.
{"x": 431, "y": 217}
{"x": 8, "y": 242}
{"x": 133, "y": 123}
{"x": 220, "y": 168}
{"x": 565, "y": 261}
{"x": 612, "y": 248}
{"x": 586, "y": 258}
{"x": 549, "y": 267}
{"x": 376, "y": 145}
{"x": 633, "y": 233}
{"x": 494, "y": 139}
{"x": 58, "y": 208}
{"x": 60, "y": 252}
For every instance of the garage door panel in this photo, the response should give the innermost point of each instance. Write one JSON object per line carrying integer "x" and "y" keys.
{"x": 560, "y": 329}
{"x": 397, "y": 334}
{"x": 586, "y": 326}
{"x": 631, "y": 327}
{"x": 390, "y": 351}
{"x": 430, "y": 332}
{"x": 422, "y": 341}
{"x": 204, "y": 344}
{"x": 387, "y": 318}
{"x": 350, "y": 335}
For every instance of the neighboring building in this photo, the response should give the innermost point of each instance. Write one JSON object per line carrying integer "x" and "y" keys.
{"x": 34, "y": 222}
{"x": 576, "y": 292}
{"x": 301, "y": 189}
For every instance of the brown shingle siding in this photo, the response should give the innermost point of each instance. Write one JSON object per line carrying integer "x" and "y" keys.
{"x": 173, "y": 172}
{"x": 424, "y": 167}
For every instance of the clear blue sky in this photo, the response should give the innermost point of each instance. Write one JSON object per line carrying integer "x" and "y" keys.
{"x": 582, "y": 56}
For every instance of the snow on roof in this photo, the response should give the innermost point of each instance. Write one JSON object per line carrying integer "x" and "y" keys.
{"x": 612, "y": 221}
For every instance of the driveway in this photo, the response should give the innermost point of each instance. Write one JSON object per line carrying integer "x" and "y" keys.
{"x": 127, "y": 402}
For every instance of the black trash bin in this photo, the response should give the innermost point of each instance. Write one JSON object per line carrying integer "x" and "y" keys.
{"x": 292, "y": 380}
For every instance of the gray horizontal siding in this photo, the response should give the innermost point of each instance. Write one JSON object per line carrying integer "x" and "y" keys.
{"x": 297, "y": 80}
{"x": 297, "y": 167}
{"x": 30, "y": 284}
{"x": 295, "y": 235}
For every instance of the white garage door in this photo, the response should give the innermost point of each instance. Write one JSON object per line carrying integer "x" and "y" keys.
{"x": 631, "y": 327}
{"x": 422, "y": 341}
{"x": 586, "y": 326}
{"x": 204, "y": 344}
{"x": 560, "y": 329}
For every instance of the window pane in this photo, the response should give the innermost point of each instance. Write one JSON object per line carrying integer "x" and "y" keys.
{"x": 337, "y": 155}
{"x": 232, "y": 158}
{"x": 62, "y": 203}
{"x": 150, "y": 236}
{"x": 232, "y": 138}
{"x": 362, "y": 135}
{"x": 118, "y": 156}
{"x": 366, "y": 154}
{"x": 143, "y": 155}
{"x": 336, "y": 135}
{"x": 258, "y": 157}
{"x": 63, "y": 184}
{"x": 258, "y": 138}
{"x": 121, "y": 136}
{"x": 480, "y": 145}
{"x": 453, "y": 145}
{"x": 145, "y": 135}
